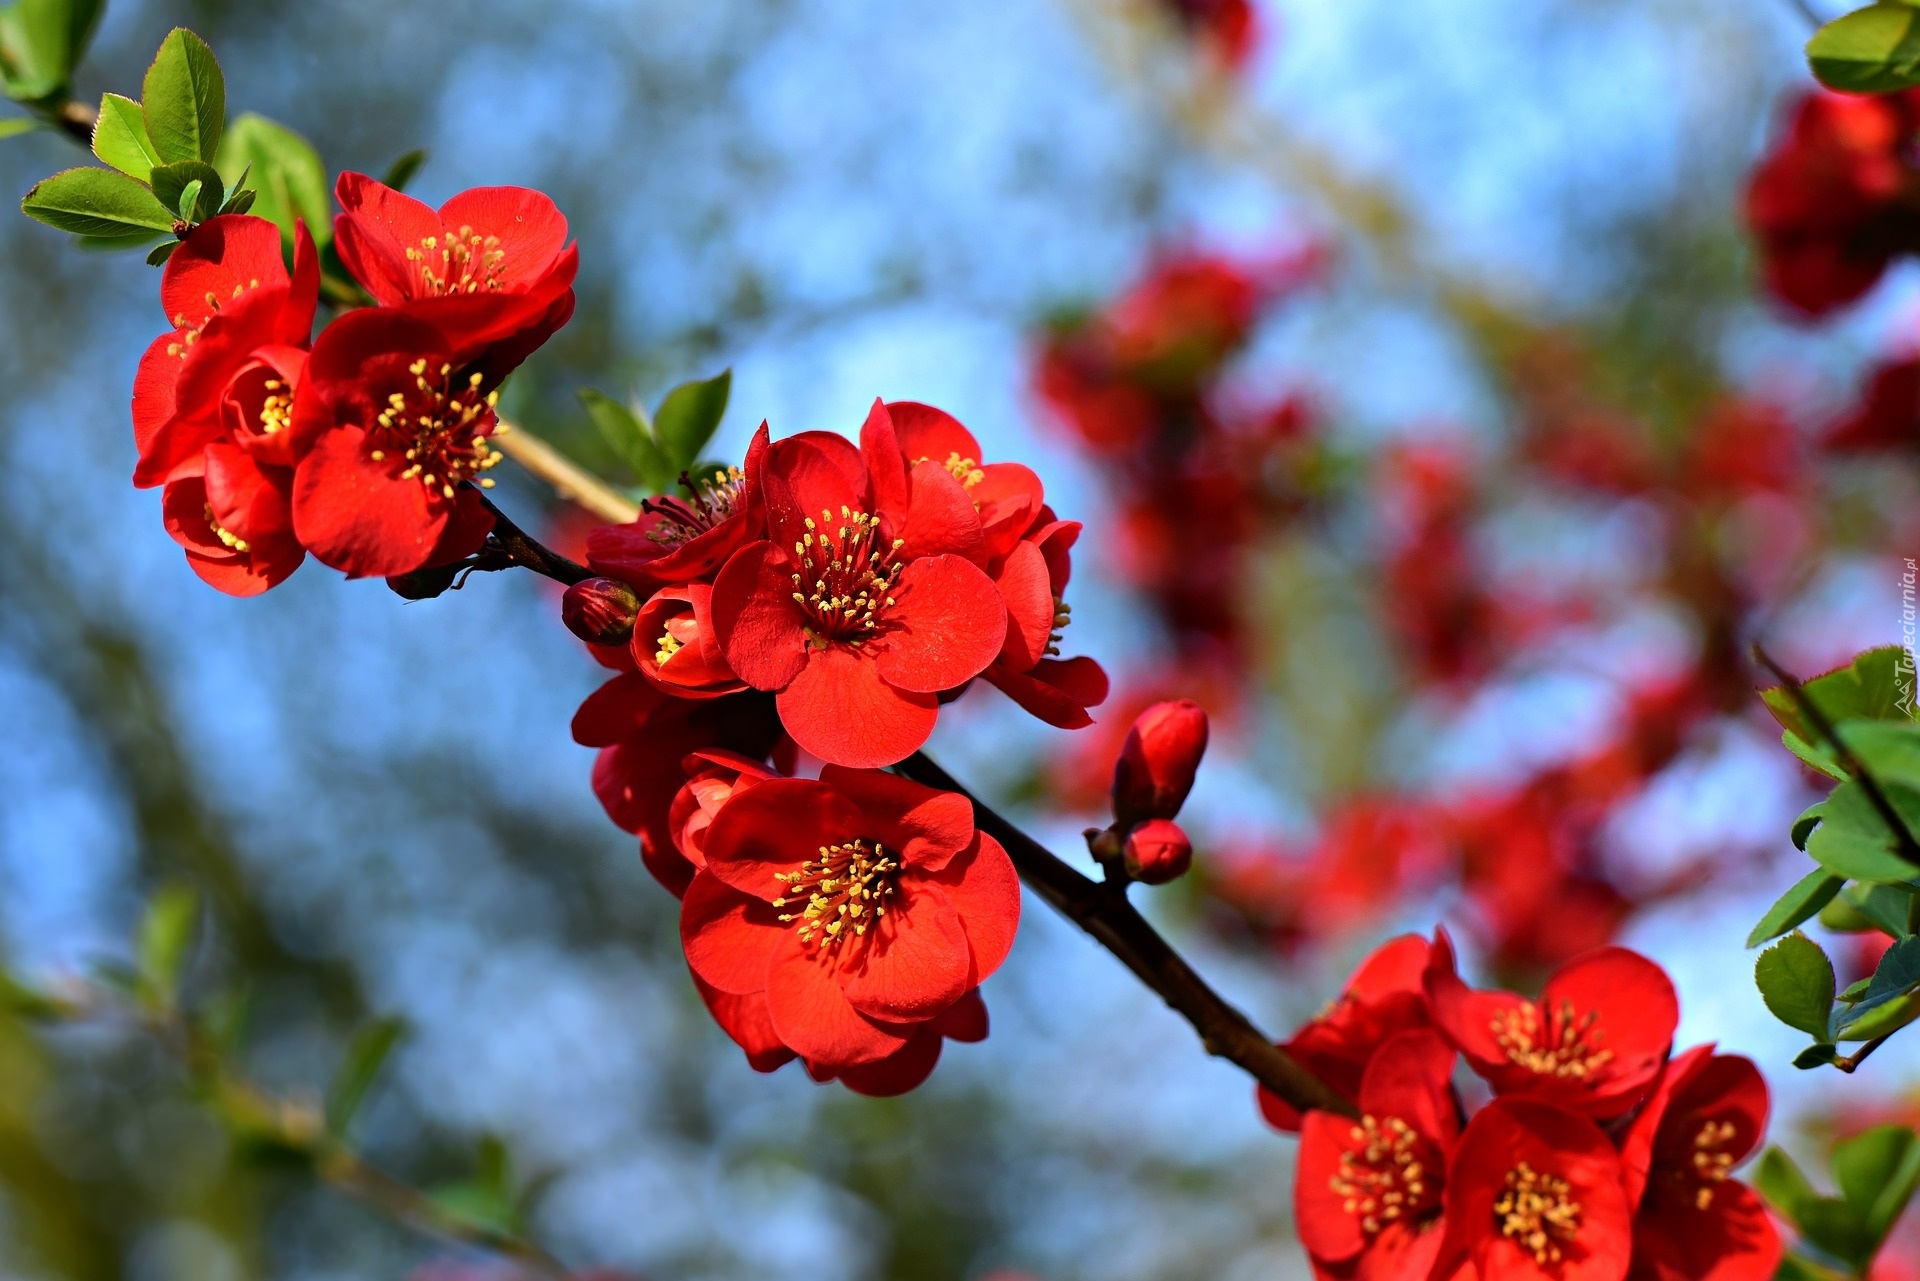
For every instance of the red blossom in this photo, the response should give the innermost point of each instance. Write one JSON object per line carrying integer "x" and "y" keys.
{"x": 1694, "y": 1222}
{"x": 1157, "y": 763}
{"x": 392, "y": 425}
{"x": 1157, "y": 851}
{"x": 644, "y": 736}
{"x": 1534, "y": 1194}
{"x": 491, "y": 269}
{"x": 866, "y": 602}
{"x": 1593, "y": 1043}
{"x": 1026, "y": 551}
{"x": 1832, "y": 204}
{"x": 713, "y": 778}
{"x": 234, "y": 521}
{"x": 1384, "y": 997}
{"x": 863, "y": 906}
{"x": 676, "y": 541}
{"x": 1367, "y": 1195}
{"x": 675, "y": 646}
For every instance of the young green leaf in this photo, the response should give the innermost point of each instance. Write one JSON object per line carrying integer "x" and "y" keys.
{"x": 15, "y": 126}
{"x": 120, "y": 137}
{"x": 185, "y": 99}
{"x": 42, "y": 41}
{"x": 1876, "y": 1171}
{"x": 286, "y": 172}
{"x": 1890, "y": 750}
{"x": 1852, "y": 839}
{"x": 1796, "y": 981}
{"x": 1884, "y": 1019}
{"x": 1896, "y": 1189}
{"x": 688, "y": 417}
{"x": 1874, "y": 685}
{"x": 629, "y": 437}
{"x": 171, "y": 183}
{"x": 1780, "y": 1181}
{"x": 1839, "y": 1229}
{"x": 1882, "y": 907}
{"x": 1816, "y": 1055}
{"x": 401, "y": 171}
{"x": 1797, "y": 906}
{"x": 162, "y": 252}
{"x": 486, "y": 1200}
{"x": 165, "y": 934}
{"x": 1871, "y": 50}
{"x": 239, "y": 202}
{"x": 366, "y": 1055}
{"x": 97, "y": 202}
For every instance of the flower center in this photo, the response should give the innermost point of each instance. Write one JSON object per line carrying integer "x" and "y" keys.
{"x": 1382, "y": 1176}
{"x": 277, "y": 409}
{"x": 1711, "y": 1163}
{"x": 846, "y": 570}
{"x": 845, "y": 889}
{"x": 965, "y": 470}
{"x": 710, "y": 500}
{"x": 232, "y": 540}
{"x": 668, "y": 646}
{"x": 463, "y": 263}
{"x": 1568, "y": 1046}
{"x": 440, "y": 429}
{"x": 1535, "y": 1212}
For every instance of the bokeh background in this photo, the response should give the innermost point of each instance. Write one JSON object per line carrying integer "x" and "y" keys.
{"x": 842, "y": 199}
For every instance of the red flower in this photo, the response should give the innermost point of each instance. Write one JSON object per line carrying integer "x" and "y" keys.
{"x": 860, "y": 618}
{"x": 492, "y": 270}
{"x": 1025, "y": 550}
{"x": 1694, "y": 1223}
{"x": 600, "y": 611}
{"x": 1367, "y": 1195}
{"x": 1157, "y": 764}
{"x": 644, "y": 736}
{"x": 678, "y": 541}
{"x": 675, "y": 647}
{"x": 234, "y": 521}
{"x": 1888, "y": 416}
{"x": 713, "y": 777}
{"x": 1157, "y": 851}
{"x": 1831, "y": 204}
{"x": 1592, "y": 1043}
{"x": 1383, "y": 998}
{"x": 862, "y": 905}
{"x": 392, "y": 424}
{"x": 1535, "y": 1192}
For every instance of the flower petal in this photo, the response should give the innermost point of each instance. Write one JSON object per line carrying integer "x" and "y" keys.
{"x": 374, "y": 232}
{"x": 940, "y": 518}
{"x": 923, "y": 825}
{"x": 900, "y": 1071}
{"x": 913, "y": 963}
{"x": 530, "y": 227}
{"x": 745, "y": 1019}
{"x": 841, "y": 710}
{"x": 761, "y": 631}
{"x": 985, "y": 890}
{"x": 1028, "y": 592}
{"x": 773, "y": 828}
{"x": 947, "y": 624}
{"x": 811, "y": 1013}
{"x": 925, "y": 432}
{"x": 729, "y": 937}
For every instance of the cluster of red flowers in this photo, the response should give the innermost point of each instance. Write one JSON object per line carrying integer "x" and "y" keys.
{"x": 1597, "y": 1156}
{"x": 1838, "y": 199}
{"x": 1195, "y": 478}
{"x": 826, "y": 599}
{"x": 357, "y": 447}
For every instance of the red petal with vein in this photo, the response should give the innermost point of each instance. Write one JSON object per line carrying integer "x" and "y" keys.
{"x": 811, "y": 1013}
{"x": 774, "y": 828}
{"x": 985, "y": 889}
{"x": 761, "y": 630}
{"x": 916, "y": 961}
{"x": 1028, "y": 592}
{"x": 745, "y": 1019}
{"x": 947, "y": 624}
{"x": 729, "y": 937}
{"x": 840, "y": 709}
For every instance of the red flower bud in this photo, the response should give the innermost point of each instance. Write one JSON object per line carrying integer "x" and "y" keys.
{"x": 1155, "y": 770}
{"x": 1157, "y": 852}
{"x": 600, "y": 611}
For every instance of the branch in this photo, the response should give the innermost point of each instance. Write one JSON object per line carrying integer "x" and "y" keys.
{"x": 1104, "y": 912}
{"x": 1909, "y": 848}
{"x": 522, "y": 549}
{"x": 1849, "y": 1062}
{"x": 569, "y": 479}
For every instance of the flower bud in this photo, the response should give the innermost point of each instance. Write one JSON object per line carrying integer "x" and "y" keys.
{"x": 425, "y": 584}
{"x": 1157, "y": 852}
{"x": 600, "y": 611}
{"x": 1156, "y": 767}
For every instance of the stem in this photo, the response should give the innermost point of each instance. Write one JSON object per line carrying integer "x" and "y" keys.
{"x": 524, "y": 550}
{"x": 569, "y": 479}
{"x": 1909, "y": 848}
{"x": 1852, "y": 1061}
{"x": 1104, "y": 912}
{"x": 405, "y": 1204}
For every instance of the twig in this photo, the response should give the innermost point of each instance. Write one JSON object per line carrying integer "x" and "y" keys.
{"x": 406, "y": 1204}
{"x": 1104, "y": 912}
{"x": 1852, "y": 1061}
{"x": 524, "y": 550}
{"x": 1909, "y": 848}
{"x": 569, "y": 479}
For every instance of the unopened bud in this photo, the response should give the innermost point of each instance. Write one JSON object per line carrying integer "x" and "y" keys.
{"x": 425, "y": 584}
{"x": 1157, "y": 852}
{"x": 1156, "y": 767}
{"x": 600, "y": 611}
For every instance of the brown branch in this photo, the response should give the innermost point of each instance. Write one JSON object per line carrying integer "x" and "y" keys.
{"x": 526, "y": 551}
{"x": 1851, "y": 1061}
{"x": 1103, "y": 911}
{"x": 1909, "y": 848}
{"x": 569, "y": 480}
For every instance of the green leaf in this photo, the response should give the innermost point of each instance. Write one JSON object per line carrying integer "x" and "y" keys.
{"x": 688, "y": 417}
{"x": 15, "y": 126}
{"x": 1871, "y": 50}
{"x": 120, "y": 137}
{"x": 629, "y": 437}
{"x": 1891, "y": 1017}
{"x": 286, "y": 172}
{"x": 486, "y": 1200}
{"x": 239, "y": 202}
{"x": 1807, "y": 896}
{"x": 1796, "y": 981}
{"x": 1839, "y": 1229}
{"x": 1817, "y": 1055}
{"x": 1882, "y": 907}
{"x": 1876, "y": 1172}
{"x": 165, "y": 934}
{"x": 1852, "y": 839}
{"x": 1780, "y": 1181}
{"x": 401, "y": 171}
{"x": 1875, "y": 685}
{"x": 171, "y": 184}
{"x": 97, "y": 202}
{"x": 162, "y": 252}
{"x": 185, "y": 99}
{"x": 59, "y": 32}
{"x": 366, "y": 1055}
{"x": 1896, "y": 1189}
{"x": 1890, "y": 750}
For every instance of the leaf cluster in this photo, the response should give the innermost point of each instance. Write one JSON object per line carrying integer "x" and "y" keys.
{"x": 1876, "y": 1173}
